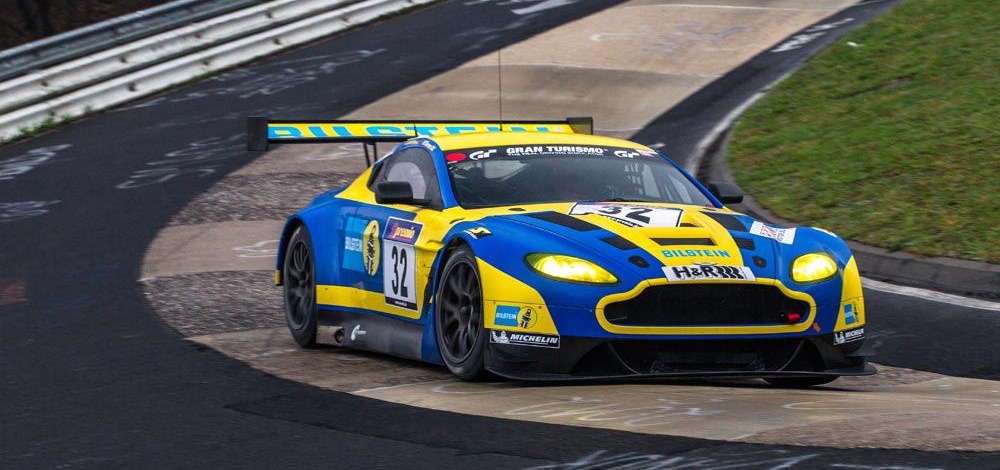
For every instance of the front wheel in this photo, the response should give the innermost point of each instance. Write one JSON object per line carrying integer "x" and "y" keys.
{"x": 800, "y": 382}
{"x": 458, "y": 319}
{"x": 300, "y": 288}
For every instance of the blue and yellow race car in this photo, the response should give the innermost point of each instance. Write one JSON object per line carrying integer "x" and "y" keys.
{"x": 536, "y": 251}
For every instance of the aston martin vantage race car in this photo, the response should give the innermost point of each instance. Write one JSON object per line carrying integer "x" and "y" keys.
{"x": 536, "y": 251}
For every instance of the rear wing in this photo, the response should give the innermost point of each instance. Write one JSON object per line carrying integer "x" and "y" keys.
{"x": 262, "y": 132}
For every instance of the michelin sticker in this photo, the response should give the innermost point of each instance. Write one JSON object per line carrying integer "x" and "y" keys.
{"x": 847, "y": 336}
{"x": 632, "y": 216}
{"x": 782, "y": 235}
{"x": 524, "y": 339}
{"x": 399, "y": 268}
{"x": 703, "y": 272}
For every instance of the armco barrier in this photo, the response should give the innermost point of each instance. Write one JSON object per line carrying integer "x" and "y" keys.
{"x": 116, "y": 31}
{"x": 147, "y": 80}
{"x": 68, "y": 76}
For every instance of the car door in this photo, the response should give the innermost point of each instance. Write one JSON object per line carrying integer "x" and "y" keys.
{"x": 398, "y": 250}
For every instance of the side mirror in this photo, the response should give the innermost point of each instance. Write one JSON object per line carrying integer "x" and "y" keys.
{"x": 727, "y": 193}
{"x": 394, "y": 192}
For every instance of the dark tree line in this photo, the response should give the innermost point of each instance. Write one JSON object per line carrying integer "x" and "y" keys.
{"x": 23, "y": 21}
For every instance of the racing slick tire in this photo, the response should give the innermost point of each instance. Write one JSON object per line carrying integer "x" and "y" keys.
{"x": 799, "y": 382}
{"x": 299, "y": 275}
{"x": 458, "y": 320}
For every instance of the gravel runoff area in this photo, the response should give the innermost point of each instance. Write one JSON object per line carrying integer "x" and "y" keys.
{"x": 272, "y": 196}
{"x": 217, "y": 302}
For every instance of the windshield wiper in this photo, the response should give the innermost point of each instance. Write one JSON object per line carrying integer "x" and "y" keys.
{"x": 628, "y": 199}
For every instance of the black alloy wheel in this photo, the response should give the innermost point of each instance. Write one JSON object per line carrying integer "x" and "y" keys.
{"x": 300, "y": 288}
{"x": 459, "y": 316}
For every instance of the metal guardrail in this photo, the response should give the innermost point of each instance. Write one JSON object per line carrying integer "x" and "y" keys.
{"x": 123, "y": 73}
{"x": 116, "y": 31}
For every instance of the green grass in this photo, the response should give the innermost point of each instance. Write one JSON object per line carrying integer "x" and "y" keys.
{"x": 895, "y": 142}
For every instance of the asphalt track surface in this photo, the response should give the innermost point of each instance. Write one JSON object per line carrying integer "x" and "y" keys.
{"x": 92, "y": 378}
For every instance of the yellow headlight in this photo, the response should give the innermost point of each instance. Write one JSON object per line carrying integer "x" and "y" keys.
{"x": 569, "y": 268}
{"x": 813, "y": 267}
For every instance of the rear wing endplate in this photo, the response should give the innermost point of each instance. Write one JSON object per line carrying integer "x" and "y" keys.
{"x": 262, "y": 132}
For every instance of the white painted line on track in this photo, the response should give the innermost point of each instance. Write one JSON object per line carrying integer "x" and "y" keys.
{"x": 390, "y": 387}
{"x": 930, "y": 295}
{"x": 736, "y": 7}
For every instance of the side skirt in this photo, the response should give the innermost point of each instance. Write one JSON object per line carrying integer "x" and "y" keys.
{"x": 370, "y": 332}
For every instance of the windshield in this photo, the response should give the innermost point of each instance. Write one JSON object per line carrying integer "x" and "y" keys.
{"x": 533, "y": 174}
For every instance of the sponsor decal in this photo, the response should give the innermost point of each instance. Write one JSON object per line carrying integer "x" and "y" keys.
{"x": 695, "y": 253}
{"x": 698, "y": 273}
{"x": 632, "y": 215}
{"x": 479, "y": 232}
{"x": 481, "y": 154}
{"x": 428, "y": 145}
{"x": 320, "y": 130}
{"x": 371, "y": 247}
{"x": 533, "y": 150}
{"x": 399, "y": 268}
{"x": 782, "y": 235}
{"x": 849, "y": 317}
{"x": 524, "y": 339}
{"x": 527, "y": 318}
{"x": 455, "y": 157}
{"x": 403, "y": 231}
{"x": 847, "y": 336}
{"x": 356, "y": 332}
{"x": 629, "y": 153}
{"x": 352, "y": 244}
{"x": 506, "y": 315}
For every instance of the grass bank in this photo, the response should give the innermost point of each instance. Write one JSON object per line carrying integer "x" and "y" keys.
{"x": 891, "y": 136}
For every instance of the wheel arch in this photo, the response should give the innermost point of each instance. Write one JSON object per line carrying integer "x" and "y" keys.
{"x": 291, "y": 225}
{"x": 429, "y": 346}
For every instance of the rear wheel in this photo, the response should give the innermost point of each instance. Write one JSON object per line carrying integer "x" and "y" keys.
{"x": 459, "y": 316}
{"x": 800, "y": 382}
{"x": 300, "y": 288}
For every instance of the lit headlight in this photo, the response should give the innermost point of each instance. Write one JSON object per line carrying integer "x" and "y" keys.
{"x": 568, "y": 268}
{"x": 813, "y": 267}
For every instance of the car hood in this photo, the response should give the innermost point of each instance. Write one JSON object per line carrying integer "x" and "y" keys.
{"x": 642, "y": 238}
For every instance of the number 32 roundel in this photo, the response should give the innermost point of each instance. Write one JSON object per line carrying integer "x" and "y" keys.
{"x": 399, "y": 262}
{"x": 632, "y": 215}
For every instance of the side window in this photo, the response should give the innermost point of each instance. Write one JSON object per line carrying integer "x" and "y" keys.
{"x": 415, "y": 166}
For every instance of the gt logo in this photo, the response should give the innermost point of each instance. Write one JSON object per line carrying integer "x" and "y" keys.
{"x": 481, "y": 154}
{"x": 626, "y": 154}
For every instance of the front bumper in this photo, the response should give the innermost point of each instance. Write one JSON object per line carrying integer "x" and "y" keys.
{"x": 579, "y": 358}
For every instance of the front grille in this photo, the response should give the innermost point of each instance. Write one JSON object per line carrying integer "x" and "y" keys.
{"x": 706, "y": 305}
{"x": 662, "y": 357}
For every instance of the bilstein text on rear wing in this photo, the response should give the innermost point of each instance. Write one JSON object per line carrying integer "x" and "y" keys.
{"x": 262, "y": 131}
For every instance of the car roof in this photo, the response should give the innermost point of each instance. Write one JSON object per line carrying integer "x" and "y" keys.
{"x": 496, "y": 139}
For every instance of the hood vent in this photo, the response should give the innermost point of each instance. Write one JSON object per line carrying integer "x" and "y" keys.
{"x": 684, "y": 241}
{"x": 728, "y": 221}
{"x": 745, "y": 243}
{"x": 567, "y": 221}
{"x": 619, "y": 242}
